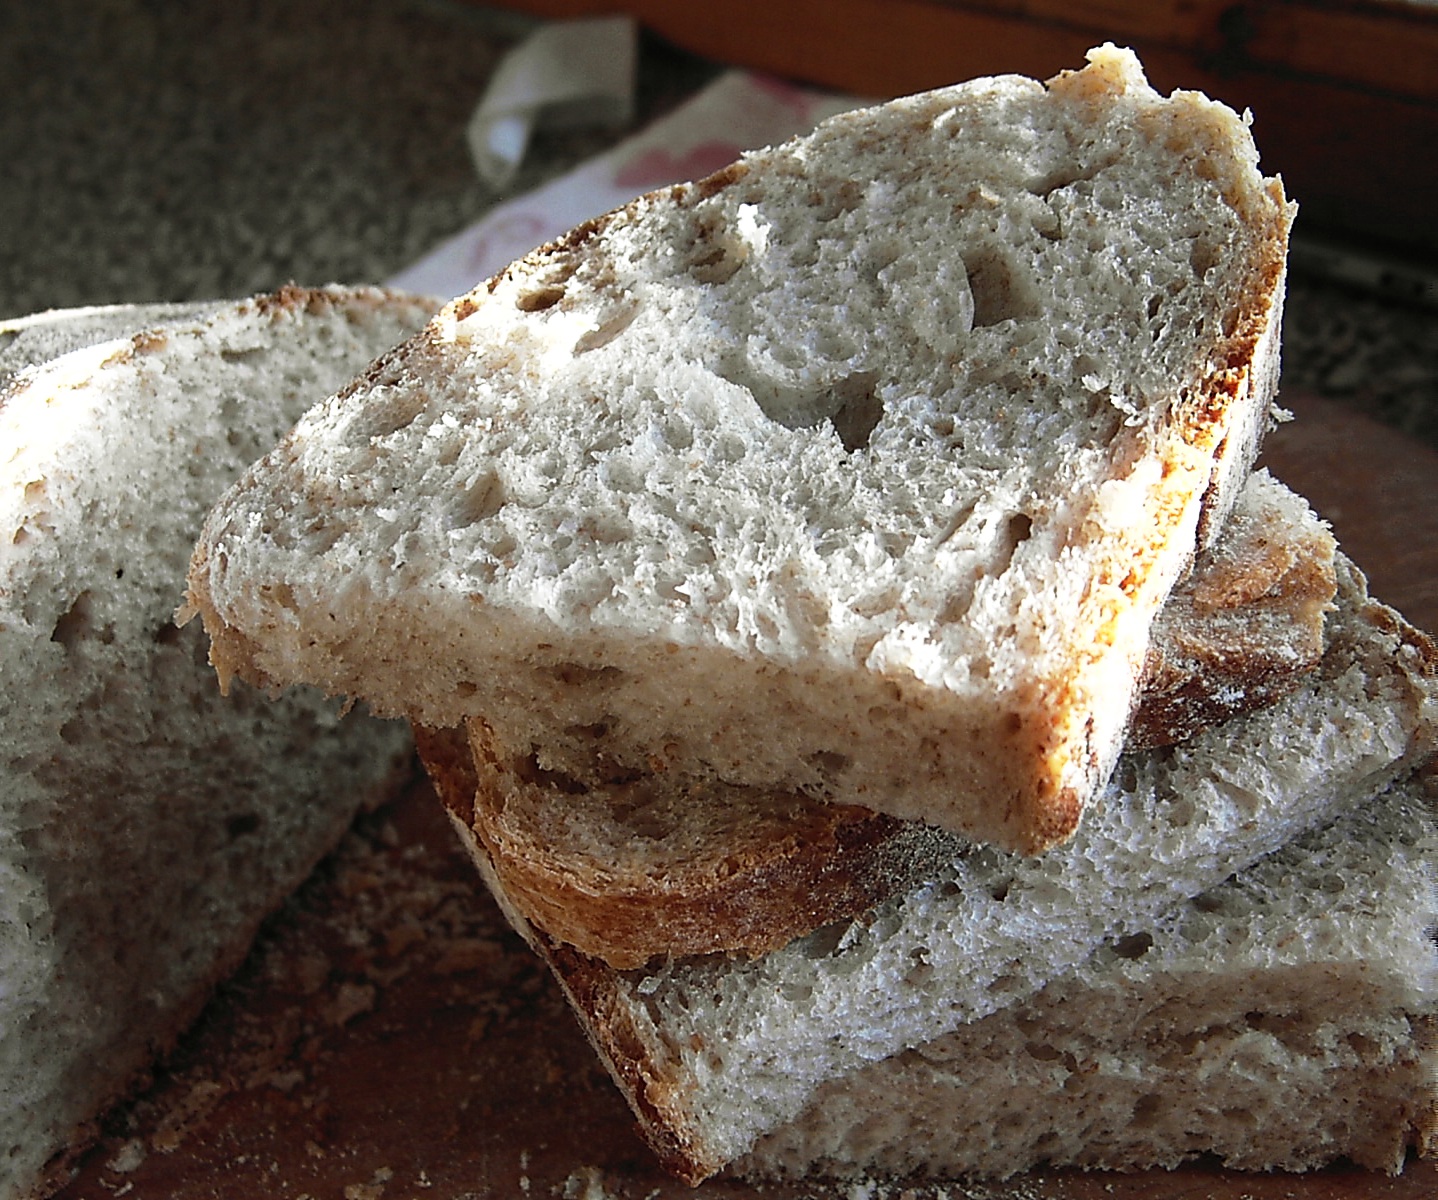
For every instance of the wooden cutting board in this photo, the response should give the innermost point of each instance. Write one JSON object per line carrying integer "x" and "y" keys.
{"x": 391, "y": 1039}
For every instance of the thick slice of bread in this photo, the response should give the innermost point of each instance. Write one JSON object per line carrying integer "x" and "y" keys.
{"x": 1280, "y": 1021}
{"x": 636, "y": 870}
{"x": 859, "y": 469}
{"x": 147, "y": 824}
{"x": 715, "y": 1052}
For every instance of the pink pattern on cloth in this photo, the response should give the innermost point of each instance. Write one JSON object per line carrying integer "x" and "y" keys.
{"x": 514, "y": 228}
{"x": 788, "y": 94}
{"x": 657, "y": 166}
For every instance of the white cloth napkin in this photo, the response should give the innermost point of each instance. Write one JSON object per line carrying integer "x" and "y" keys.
{"x": 570, "y": 73}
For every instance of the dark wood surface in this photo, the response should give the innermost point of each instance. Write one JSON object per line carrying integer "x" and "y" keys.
{"x": 389, "y": 1038}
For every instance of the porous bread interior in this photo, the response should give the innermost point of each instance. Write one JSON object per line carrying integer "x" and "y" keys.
{"x": 147, "y": 824}
{"x": 1279, "y": 1021}
{"x": 635, "y": 869}
{"x": 717, "y": 1052}
{"x": 807, "y": 475}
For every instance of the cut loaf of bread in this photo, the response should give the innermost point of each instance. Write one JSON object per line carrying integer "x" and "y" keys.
{"x": 859, "y": 469}
{"x": 147, "y": 824}
{"x": 1281, "y": 1021}
{"x": 715, "y": 1052}
{"x": 635, "y": 870}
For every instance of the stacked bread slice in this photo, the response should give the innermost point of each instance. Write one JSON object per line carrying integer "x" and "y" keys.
{"x": 147, "y": 825}
{"x": 837, "y": 607}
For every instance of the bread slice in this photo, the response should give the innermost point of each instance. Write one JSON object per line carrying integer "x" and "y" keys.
{"x": 637, "y": 870}
{"x": 715, "y": 1052}
{"x": 1283, "y": 1020}
{"x": 859, "y": 469}
{"x": 147, "y": 825}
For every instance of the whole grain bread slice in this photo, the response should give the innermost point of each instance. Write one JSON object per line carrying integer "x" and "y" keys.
{"x": 147, "y": 824}
{"x": 636, "y": 870}
{"x": 713, "y": 1053}
{"x": 859, "y": 469}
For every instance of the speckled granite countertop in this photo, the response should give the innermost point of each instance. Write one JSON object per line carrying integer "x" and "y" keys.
{"x": 155, "y": 151}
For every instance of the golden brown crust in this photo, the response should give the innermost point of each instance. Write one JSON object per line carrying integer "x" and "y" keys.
{"x": 635, "y": 1061}
{"x": 782, "y": 867}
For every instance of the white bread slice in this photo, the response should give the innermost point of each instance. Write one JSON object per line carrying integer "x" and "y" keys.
{"x": 1283, "y": 1020}
{"x": 631, "y": 871}
{"x": 713, "y": 1053}
{"x": 147, "y": 825}
{"x": 859, "y": 469}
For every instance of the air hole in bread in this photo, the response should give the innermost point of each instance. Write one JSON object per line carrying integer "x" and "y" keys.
{"x": 166, "y": 633}
{"x": 919, "y": 974}
{"x": 281, "y": 594}
{"x": 385, "y": 418}
{"x": 573, "y": 674}
{"x": 241, "y": 824}
{"x": 642, "y": 822}
{"x": 826, "y": 940}
{"x": 1203, "y": 255}
{"x": 1208, "y": 902}
{"x": 999, "y": 292}
{"x": 1267, "y": 1022}
{"x": 716, "y": 262}
{"x": 860, "y": 409}
{"x": 835, "y": 201}
{"x": 75, "y": 624}
{"x": 1017, "y": 531}
{"x": 1067, "y": 175}
{"x": 1147, "y": 1109}
{"x": 530, "y": 771}
{"x": 1134, "y": 946}
{"x": 1365, "y": 1047}
{"x": 828, "y": 762}
{"x": 539, "y": 299}
{"x": 249, "y": 354}
{"x": 607, "y": 329}
{"x": 482, "y": 499}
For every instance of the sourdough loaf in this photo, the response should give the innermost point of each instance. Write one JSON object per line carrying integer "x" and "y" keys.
{"x": 634, "y": 870}
{"x": 859, "y": 469}
{"x": 715, "y": 1052}
{"x": 147, "y": 824}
